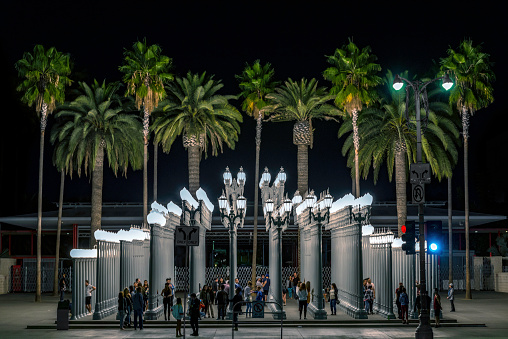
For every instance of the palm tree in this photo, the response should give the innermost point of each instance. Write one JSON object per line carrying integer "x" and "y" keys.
{"x": 301, "y": 102}
{"x": 202, "y": 116}
{"x": 387, "y": 137}
{"x": 92, "y": 128}
{"x": 45, "y": 75}
{"x": 256, "y": 82}
{"x": 146, "y": 72}
{"x": 471, "y": 71}
{"x": 353, "y": 76}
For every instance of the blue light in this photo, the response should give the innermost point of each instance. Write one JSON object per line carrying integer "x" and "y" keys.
{"x": 433, "y": 246}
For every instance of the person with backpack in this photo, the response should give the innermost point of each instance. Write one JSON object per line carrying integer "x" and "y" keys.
{"x": 222, "y": 300}
{"x": 437, "y": 307}
{"x": 178, "y": 315}
{"x": 138, "y": 305}
{"x": 334, "y": 298}
{"x": 404, "y": 304}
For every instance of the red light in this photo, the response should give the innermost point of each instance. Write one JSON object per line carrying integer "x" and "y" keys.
{"x": 403, "y": 229}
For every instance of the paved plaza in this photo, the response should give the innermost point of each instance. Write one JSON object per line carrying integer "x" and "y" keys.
{"x": 483, "y": 317}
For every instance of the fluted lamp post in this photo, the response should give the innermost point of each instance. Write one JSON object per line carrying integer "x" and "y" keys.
{"x": 232, "y": 215}
{"x": 319, "y": 213}
{"x": 383, "y": 241}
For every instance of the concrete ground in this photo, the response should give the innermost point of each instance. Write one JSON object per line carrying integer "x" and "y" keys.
{"x": 18, "y": 311}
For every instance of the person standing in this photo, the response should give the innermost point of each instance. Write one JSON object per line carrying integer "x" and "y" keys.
{"x": 437, "y": 307}
{"x": 284, "y": 294}
{"x": 450, "y": 296}
{"x": 296, "y": 283}
{"x": 62, "y": 287}
{"x": 266, "y": 287}
{"x": 290, "y": 287}
{"x": 302, "y": 301}
{"x": 334, "y": 297}
{"x": 248, "y": 298}
{"x": 167, "y": 293}
{"x": 237, "y": 306}
{"x": 138, "y": 304}
{"x": 128, "y": 307}
{"x": 398, "y": 291}
{"x": 373, "y": 288}
{"x": 88, "y": 296}
{"x": 121, "y": 308}
{"x": 367, "y": 298}
{"x": 211, "y": 296}
{"x": 205, "y": 296}
{"x": 222, "y": 300}
{"x": 145, "y": 294}
{"x": 215, "y": 289}
{"x": 404, "y": 303}
{"x": 178, "y": 313}
{"x": 307, "y": 286}
{"x": 194, "y": 314}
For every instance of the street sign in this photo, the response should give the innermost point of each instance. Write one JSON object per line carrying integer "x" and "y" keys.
{"x": 418, "y": 193}
{"x": 187, "y": 236}
{"x": 258, "y": 309}
{"x": 419, "y": 174}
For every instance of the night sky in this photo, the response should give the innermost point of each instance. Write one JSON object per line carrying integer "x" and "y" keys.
{"x": 220, "y": 39}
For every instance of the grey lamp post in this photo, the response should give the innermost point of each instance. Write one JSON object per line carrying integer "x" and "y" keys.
{"x": 279, "y": 219}
{"x": 383, "y": 241}
{"x": 317, "y": 216}
{"x": 232, "y": 216}
{"x": 424, "y": 330}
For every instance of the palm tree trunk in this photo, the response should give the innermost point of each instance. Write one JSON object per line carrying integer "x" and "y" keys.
{"x": 193, "y": 162}
{"x": 38, "y": 286}
{"x": 465, "y": 126}
{"x": 155, "y": 161}
{"x": 256, "y": 197}
{"x": 356, "y": 141}
{"x": 146, "y": 125}
{"x": 303, "y": 168}
{"x": 400, "y": 189}
{"x": 353, "y": 185}
{"x": 450, "y": 232}
{"x": 58, "y": 231}
{"x": 97, "y": 182}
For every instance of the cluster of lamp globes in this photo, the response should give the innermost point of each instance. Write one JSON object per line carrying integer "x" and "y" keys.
{"x": 398, "y": 82}
{"x": 381, "y": 238}
{"x": 241, "y": 201}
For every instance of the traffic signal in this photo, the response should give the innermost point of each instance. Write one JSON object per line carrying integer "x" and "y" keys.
{"x": 434, "y": 236}
{"x": 408, "y": 237}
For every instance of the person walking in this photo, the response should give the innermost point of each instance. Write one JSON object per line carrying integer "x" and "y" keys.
{"x": 334, "y": 298}
{"x": 450, "y": 297}
{"x": 437, "y": 306}
{"x": 128, "y": 307}
{"x": 296, "y": 283}
{"x": 222, "y": 300}
{"x": 178, "y": 313}
{"x": 302, "y": 301}
{"x": 121, "y": 308}
{"x": 367, "y": 298}
{"x": 194, "y": 314}
{"x": 404, "y": 303}
{"x": 88, "y": 296}
{"x": 248, "y": 298}
{"x": 284, "y": 294}
{"x": 138, "y": 304}
{"x": 398, "y": 291}
{"x": 167, "y": 293}
{"x": 62, "y": 287}
{"x": 290, "y": 287}
{"x": 237, "y": 306}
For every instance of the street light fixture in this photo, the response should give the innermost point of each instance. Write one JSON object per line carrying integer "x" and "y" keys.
{"x": 424, "y": 330}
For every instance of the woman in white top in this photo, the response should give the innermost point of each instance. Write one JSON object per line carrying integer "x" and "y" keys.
{"x": 302, "y": 301}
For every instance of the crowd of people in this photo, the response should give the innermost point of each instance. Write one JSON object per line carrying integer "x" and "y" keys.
{"x": 134, "y": 300}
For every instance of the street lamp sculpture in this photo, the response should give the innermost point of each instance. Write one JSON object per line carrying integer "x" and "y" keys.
{"x": 313, "y": 215}
{"x": 277, "y": 211}
{"x": 424, "y": 330}
{"x": 232, "y": 207}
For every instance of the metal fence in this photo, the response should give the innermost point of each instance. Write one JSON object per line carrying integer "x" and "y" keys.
{"x": 23, "y": 279}
{"x": 458, "y": 270}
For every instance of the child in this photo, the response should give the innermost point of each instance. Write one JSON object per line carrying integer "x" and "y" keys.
{"x": 178, "y": 314}
{"x": 259, "y": 295}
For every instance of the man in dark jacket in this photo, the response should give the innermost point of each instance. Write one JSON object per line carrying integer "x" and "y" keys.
{"x": 194, "y": 314}
{"x": 238, "y": 307}
{"x": 138, "y": 304}
{"x": 222, "y": 300}
{"x": 215, "y": 289}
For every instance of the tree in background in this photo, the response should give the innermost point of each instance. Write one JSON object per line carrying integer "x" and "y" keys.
{"x": 44, "y": 75}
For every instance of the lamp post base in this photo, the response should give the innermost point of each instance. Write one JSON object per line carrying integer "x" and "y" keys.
{"x": 424, "y": 330}
{"x": 317, "y": 313}
{"x": 275, "y": 309}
